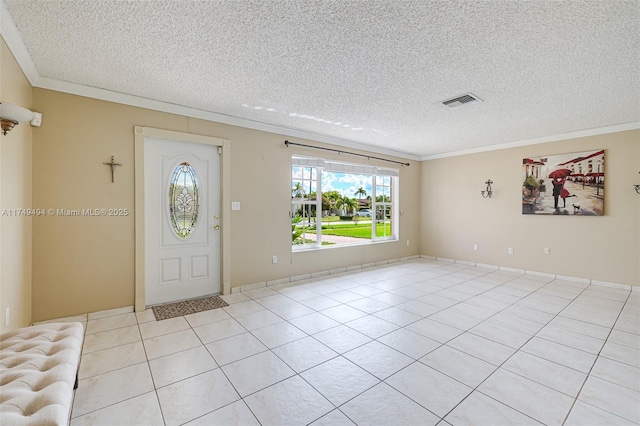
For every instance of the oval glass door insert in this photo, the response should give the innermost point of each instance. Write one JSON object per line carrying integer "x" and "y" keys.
{"x": 184, "y": 199}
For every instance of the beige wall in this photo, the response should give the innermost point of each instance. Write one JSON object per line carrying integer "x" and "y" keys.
{"x": 261, "y": 180}
{"x": 85, "y": 264}
{"x": 455, "y": 216}
{"x": 15, "y": 193}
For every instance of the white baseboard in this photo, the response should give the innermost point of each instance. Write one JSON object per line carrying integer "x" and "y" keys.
{"x": 581, "y": 280}
{"x": 352, "y": 268}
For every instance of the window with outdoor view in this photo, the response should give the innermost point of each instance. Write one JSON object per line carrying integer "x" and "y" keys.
{"x": 357, "y": 203}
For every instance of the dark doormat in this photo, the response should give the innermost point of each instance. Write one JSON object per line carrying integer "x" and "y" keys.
{"x": 186, "y": 307}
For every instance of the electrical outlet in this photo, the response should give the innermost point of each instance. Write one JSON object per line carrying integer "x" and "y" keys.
{"x": 510, "y": 250}
{"x": 274, "y": 259}
{"x": 7, "y": 317}
{"x": 547, "y": 250}
{"x": 408, "y": 243}
{"x": 475, "y": 247}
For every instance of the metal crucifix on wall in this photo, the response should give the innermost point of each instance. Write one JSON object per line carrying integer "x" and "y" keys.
{"x": 113, "y": 167}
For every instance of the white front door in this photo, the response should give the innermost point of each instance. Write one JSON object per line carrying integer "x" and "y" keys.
{"x": 182, "y": 220}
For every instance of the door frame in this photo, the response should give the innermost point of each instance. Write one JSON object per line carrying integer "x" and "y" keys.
{"x": 140, "y": 133}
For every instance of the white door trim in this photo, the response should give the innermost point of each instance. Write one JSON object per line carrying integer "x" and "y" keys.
{"x": 225, "y": 145}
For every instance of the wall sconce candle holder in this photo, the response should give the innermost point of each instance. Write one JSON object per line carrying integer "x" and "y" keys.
{"x": 487, "y": 192}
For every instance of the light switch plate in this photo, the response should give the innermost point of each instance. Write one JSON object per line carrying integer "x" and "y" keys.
{"x": 235, "y": 205}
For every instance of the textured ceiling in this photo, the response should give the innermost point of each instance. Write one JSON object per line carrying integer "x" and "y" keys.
{"x": 369, "y": 72}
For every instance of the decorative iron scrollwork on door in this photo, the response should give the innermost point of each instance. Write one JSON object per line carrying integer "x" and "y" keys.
{"x": 184, "y": 199}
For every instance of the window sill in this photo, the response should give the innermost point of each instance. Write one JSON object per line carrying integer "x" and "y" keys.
{"x": 306, "y": 248}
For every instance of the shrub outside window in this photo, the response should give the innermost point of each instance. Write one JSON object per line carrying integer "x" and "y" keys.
{"x": 357, "y": 203}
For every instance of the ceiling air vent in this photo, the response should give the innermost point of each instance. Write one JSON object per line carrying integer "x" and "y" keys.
{"x": 468, "y": 99}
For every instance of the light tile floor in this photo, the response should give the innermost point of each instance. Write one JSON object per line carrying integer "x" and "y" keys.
{"x": 416, "y": 343}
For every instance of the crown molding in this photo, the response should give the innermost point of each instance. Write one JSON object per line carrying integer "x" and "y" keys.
{"x": 140, "y": 102}
{"x": 555, "y": 138}
{"x": 12, "y": 38}
{"x": 16, "y": 45}
{"x": 14, "y": 41}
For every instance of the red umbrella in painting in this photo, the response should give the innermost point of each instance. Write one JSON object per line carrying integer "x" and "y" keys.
{"x": 560, "y": 173}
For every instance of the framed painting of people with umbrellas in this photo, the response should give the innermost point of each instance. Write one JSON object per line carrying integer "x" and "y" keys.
{"x": 566, "y": 184}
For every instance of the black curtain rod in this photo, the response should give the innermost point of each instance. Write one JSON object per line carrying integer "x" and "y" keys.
{"x": 287, "y": 143}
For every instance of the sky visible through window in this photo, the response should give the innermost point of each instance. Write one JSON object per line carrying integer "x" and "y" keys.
{"x": 345, "y": 183}
{"x": 348, "y": 211}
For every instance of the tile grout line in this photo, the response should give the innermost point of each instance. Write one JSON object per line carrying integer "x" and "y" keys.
{"x": 442, "y": 419}
{"x": 153, "y": 381}
{"x": 218, "y": 367}
{"x": 306, "y": 285}
{"x": 441, "y": 345}
{"x": 75, "y": 391}
{"x": 505, "y": 361}
{"x": 340, "y": 355}
{"x": 120, "y": 368}
{"x": 520, "y": 348}
{"x": 594, "y": 363}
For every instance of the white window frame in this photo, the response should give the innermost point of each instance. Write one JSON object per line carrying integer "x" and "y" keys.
{"x": 303, "y": 201}
{"x": 374, "y": 206}
{"x": 323, "y": 166}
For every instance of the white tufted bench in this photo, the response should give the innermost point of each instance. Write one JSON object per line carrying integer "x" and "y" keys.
{"x": 38, "y": 372}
